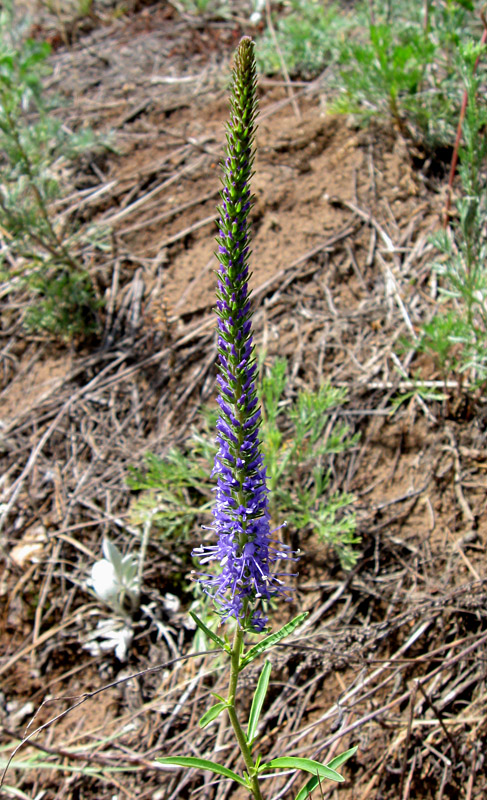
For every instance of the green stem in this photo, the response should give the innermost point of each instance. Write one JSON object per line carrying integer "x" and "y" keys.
{"x": 239, "y": 733}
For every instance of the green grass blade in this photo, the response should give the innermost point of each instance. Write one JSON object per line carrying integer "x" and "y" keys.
{"x": 214, "y": 636}
{"x": 306, "y": 764}
{"x": 202, "y": 763}
{"x": 258, "y": 701}
{"x": 271, "y": 640}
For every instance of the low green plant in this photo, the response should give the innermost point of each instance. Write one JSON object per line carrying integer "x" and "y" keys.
{"x": 386, "y": 60}
{"x": 309, "y": 35}
{"x": 218, "y": 8}
{"x": 36, "y": 149}
{"x": 456, "y": 337}
{"x": 176, "y": 488}
{"x": 68, "y": 303}
{"x": 385, "y": 75}
{"x": 298, "y": 440}
{"x": 400, "y": 66}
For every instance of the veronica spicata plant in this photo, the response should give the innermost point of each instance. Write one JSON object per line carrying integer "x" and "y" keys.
{"x": 246, "y": 553}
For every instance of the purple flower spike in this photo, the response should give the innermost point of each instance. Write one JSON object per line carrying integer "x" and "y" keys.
{"x": 246, "y": 550}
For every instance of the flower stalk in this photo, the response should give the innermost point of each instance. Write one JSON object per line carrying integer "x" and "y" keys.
{"x": 245, "y": 550}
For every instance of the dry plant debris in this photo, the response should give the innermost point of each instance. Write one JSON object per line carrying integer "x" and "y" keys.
{"x": 392, "y": 656}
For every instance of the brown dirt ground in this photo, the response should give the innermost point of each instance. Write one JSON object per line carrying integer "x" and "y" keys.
{"x": 392, "y": 656}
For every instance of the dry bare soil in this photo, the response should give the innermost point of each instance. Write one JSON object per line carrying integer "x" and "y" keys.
{"x": 392, "y": 656}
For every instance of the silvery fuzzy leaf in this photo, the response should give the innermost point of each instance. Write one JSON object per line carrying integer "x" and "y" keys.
{"x": 129, "y": 571}
{"x": 113, "y": 554}
{"x": 110, "y": 635}
{"x": 125, "y": 569}
{"x": 104, "y": 581}
{"x": 171, "y": 603}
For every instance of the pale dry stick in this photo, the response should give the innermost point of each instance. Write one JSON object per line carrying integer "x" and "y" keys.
{"x": 156, "y": 358}
{"x": 195, "y": 682}
{"x": 172, "y": 212}
{"x": 457, "y": 480}
{"x": 52, "y": 563}
{"x": 21, "y": 372}
{"x": 153, "y": 705}
{"x": 329, "y": 603}
{"x": 83, "y": 196}
{"x": 476, "y": 762}
{"x": 377, "y": 769}
{"x": 272, "y": 82}
{"x": 416, "y": 634}
{"x": 461, "y": 684}
{"x": 356, "y": 267}
{"x": 412, "y": 701}
{"x": 125, "y": 212}
{"x": 111, "y": 298}
{"x": 420, "y": 249}
{"x": 444, "y": 779}
{"x": 99, "y": 455}
{"x": 348, "y": 728}
{"x": 44, "y": 637}
{"x": 437, "y": 753}
{"x": 407, "y": 788}
{"x": 409, "y": 385}
{"x": 441, "y": 668}
{"x": 311, "y": 87}
{"x": 170, "y": 79}
{"x": 24, "y": 418}
{"x": 17, "y": 486}
{"x": 88, "y": 199}
{"x": 284, "y": 69}
{"x": 176, "y": 157}
{"x": 438, "y": 716}
{"x": 74, "y": 543}
{"x": 388, "y": 243}
{"x": 323, "y": 247}
{"x": 86, "y": 755}
{"x": 81, "y": 699}
{"x": 392, "y": 287}
{"x": 190, "y": 229}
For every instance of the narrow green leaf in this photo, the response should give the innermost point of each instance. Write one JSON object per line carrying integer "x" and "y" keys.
{"x": 214, "y": 636}
{"x": 258, "y": 701}
{"x": 202, "y": 763}
{"x": 271, "y": 640}
{"x": 306, "y": 764}
{"x": 218, "y": 697}
{"x": 339, "y": 760}
{"x": 212, "y": 714}
{"x": 313, "y": 782}
{"x": 308, "y": 787}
